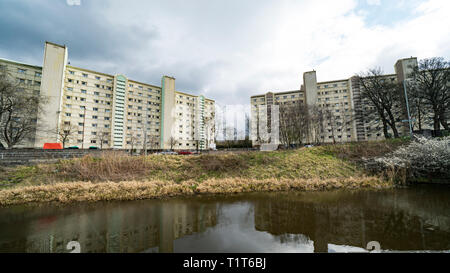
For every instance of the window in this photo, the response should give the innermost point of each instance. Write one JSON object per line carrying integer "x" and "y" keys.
{"x": 71, "y": 72}
{"x": 85, "y": 75}
{"x": 38, "y": 74}
{"x": 94, "y": 117}
{"x": 68, "y": 114}
{"x": 97, "y": 93}
{"x": 22, "y": 71}
{"x": 83, "y": 91}
{"x": 95, "y": 109}
{"x": 97, "y": 78}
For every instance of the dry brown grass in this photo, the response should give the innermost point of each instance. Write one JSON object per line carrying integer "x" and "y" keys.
{"x": 134, "y": 190}
{"x": 109, "y": 166}
{"x": 356, "y": 151}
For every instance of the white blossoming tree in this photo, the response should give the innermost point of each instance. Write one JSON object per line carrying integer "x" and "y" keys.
{"x": 421, "y": 159}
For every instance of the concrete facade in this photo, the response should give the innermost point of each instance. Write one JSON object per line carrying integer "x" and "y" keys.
{"x": 28, "y": 78}
{"x": 343, "y": 98}
{"x": 110, "y": 111}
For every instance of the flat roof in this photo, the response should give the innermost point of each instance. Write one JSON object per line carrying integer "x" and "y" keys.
{"x": 15, "y": 62}
{"x": 90, "y": 71}
{"x": 47, "y": 42}
{"x": 278, "y": 93}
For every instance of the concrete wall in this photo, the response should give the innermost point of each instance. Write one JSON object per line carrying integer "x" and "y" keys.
{"x": 48, "y": 121}
{"x": 168, "y": 110}
{"x": 403, "y": 69}
{"x": 310, "y": 84}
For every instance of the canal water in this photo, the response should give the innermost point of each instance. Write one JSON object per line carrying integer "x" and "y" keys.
{"x": 412, "y": 219}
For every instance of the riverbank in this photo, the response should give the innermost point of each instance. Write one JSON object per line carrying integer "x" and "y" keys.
{"x": 136, "y": 190}
{"x": 122, "y": 177}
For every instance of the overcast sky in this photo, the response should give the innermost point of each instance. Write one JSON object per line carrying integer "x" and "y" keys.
{"x": 227, "y": 49}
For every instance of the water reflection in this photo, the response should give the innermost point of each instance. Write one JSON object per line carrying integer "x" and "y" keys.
{"x": 407, "y": 219}
{"x": 103, "y": 227}
{"x": 400, "y": 220}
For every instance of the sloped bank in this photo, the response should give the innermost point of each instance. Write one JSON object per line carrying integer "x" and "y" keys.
{"x": 121, "y": 177}
{"x": 135, "y": 190}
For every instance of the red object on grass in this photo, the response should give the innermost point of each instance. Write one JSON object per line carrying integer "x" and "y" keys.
{"x": 53, "y": 146}
{"x": 184, "y": 153}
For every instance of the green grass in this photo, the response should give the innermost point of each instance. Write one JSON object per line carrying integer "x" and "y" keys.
{"x": 323, "y": 162}
{"x": 119, "y": 177}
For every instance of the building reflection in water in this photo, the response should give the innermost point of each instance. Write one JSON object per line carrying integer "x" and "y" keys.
{"x": 400, "y": 220}
{"x": 116, "y": 227}
{"x": 412, "y": 219}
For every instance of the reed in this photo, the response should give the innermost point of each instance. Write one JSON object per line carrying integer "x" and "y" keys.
{"x": 135, "y": 190}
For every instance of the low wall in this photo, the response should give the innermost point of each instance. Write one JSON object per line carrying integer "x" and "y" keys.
{"x": 35, "y": 156}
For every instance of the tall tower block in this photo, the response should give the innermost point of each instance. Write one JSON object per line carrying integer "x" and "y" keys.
{"x": 168, "y": 110}
{"x": 310, "y": 85}
{"x": 53, "y": 70}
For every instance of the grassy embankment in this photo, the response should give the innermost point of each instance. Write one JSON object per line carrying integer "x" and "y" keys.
{"x": 113, "y": 177}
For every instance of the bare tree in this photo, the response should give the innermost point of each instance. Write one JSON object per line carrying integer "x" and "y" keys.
{"x": 382, "y": 99}
{"x": 210, "y": 128}
{"x": 418, "y": 108}
{"x": 153, "y": 141}
{"x": 132, "y": 140}
{"x": 18, "y": 110}
{"x": 294, "y": 123}
{"x": 316, "y": 124}
{"x": 172, "y": 142}
{"x": 431, "y": 88}
{"x": 103, "y": 136}
{"x": 65, "y": 133}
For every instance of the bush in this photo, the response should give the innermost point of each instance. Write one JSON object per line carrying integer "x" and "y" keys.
{"x": 421, "y": 159}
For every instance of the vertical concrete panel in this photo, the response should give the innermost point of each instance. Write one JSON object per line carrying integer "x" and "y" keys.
{"x": 168, "y": 110}
{"x": 403, "y": 69}
{"x": 310, "y": 84}
{"x": 53, "y": 70}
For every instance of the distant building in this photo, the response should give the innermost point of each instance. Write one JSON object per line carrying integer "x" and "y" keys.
{"x": 344, "y": 98}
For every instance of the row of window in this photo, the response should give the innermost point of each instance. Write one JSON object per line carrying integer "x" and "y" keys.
{"x": 330, "y": 85}
{"x": 24, "y": 71}
{"x": 86, "y": 75}
{"x": 29, "y": 82}
{"x": 86, "y": 84}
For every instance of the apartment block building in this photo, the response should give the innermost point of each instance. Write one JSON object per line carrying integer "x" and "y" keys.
{"x": 112, "y": 111}
{"x": 342, "y": 99}
{"x": 28, "y": 79}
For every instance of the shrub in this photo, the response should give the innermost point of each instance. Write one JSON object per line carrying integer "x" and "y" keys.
{"x": 423, "y": 158}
